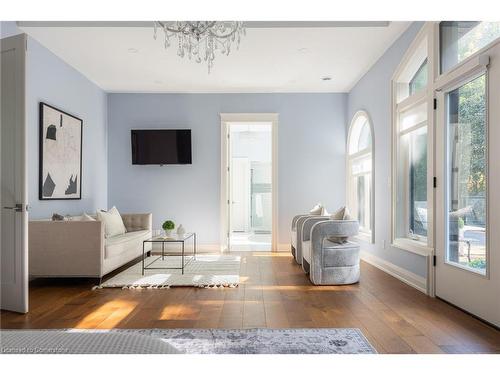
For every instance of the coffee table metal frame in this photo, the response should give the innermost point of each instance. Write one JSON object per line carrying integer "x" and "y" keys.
{"x": 161, "y": 240}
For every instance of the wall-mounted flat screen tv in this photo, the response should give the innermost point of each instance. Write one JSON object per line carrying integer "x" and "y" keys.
{"x": 161, "y": 146}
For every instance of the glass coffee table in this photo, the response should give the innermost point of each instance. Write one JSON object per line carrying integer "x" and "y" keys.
{"x": 182, "y": 239}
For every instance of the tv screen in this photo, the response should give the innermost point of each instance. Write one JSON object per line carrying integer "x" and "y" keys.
{"x": 161, "y": 146}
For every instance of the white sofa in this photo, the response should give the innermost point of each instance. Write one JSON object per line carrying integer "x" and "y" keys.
{"x": 80, "y": 249}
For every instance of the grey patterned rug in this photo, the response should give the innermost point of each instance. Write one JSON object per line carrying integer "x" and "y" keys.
{"x": 189, "y": 341}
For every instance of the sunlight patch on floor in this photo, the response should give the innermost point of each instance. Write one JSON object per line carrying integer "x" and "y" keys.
{"x": 108, "y": 315}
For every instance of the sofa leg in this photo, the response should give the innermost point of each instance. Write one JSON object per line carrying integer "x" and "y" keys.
{"x": 293, "y": 251}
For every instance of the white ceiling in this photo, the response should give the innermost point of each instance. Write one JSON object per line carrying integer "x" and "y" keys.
{"x": 270, "y": 59}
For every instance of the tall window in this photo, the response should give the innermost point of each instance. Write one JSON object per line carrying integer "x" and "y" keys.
{"x": 359, "y": 170}
{"x": 411, "y": 208}
{"x": 467, "y": 175}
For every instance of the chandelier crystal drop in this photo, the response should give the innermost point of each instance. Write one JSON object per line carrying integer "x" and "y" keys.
{"x": 199, "y": 40}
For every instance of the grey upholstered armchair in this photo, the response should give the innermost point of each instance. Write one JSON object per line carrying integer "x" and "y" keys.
{"x": 301, "y": 222}
{"x": 294, "y": 234}
{"x": 328, "y": 256}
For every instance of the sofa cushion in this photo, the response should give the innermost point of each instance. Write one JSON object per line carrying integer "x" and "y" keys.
{"x": 116, "y": 245}
{"x": 113, "y": 223}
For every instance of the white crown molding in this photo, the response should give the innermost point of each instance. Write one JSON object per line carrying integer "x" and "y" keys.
{"x": 247, "y": 24}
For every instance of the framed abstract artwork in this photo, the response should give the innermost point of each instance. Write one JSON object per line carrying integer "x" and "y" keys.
{"x": 60, "y": 168}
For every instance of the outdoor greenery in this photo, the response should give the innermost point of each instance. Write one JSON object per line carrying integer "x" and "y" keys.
{"x": 471, "y": 143}
{"x": 478, "y": 263}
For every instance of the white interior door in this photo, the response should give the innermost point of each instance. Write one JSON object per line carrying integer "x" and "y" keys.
{"x": 468, "y": 200}
{"x": 240, "y": 194}
{"x": 14, "y": 218}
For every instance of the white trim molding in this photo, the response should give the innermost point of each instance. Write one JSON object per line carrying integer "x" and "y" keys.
{"x": 416, "y": 281}
{"x": 226, "y": 119}
{"x": 422, "y": 47}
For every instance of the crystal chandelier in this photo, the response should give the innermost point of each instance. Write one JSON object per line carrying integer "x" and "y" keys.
{"x": 199, "y": 40}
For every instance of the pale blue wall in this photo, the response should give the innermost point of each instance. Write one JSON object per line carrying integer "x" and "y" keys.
{"x": 8, "y": 28}
{"x": 51, "y": 80}
{"x": 312, "y": 133}
{"x": 373, "y": 94}
{"x": 311, "y": 149}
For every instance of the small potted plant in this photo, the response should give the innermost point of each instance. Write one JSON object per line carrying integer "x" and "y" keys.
{"x": 168, "y": 226}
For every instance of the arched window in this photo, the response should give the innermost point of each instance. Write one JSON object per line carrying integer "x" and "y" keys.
{"x": 360, "y": 172}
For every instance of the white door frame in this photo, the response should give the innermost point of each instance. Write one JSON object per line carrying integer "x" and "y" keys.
{"x": 14, "y": 286}
{"x": 226, "y": 119}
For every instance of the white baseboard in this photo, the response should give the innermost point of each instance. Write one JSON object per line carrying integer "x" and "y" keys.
{"x": 410, "y": 278}
{"x": 284, "y": 247}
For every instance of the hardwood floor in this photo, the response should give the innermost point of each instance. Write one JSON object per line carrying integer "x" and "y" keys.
{"x": 274, "y": 293}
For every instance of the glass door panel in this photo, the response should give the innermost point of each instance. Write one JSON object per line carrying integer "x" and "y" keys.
{"x": 261, "y": 198}
{"x": 466, "y": 175}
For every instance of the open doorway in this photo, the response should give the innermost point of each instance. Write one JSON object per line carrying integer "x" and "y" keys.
{"x": 249, "y": 212}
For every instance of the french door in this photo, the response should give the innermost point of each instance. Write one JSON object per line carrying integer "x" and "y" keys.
{"x": 467, "y": 269}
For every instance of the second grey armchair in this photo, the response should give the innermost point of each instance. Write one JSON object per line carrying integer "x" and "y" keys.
{"x": 304, "y": 225}
{"x": 329, "y": 258}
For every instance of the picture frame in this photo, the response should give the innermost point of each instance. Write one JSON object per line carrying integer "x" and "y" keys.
{"x": 60, "y": 154}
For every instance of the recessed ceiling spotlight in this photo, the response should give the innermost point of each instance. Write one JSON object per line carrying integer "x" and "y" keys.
{"x": 303, "y": 50}
{"x": 326, "y": 78}
{"x": 133, "y": 50}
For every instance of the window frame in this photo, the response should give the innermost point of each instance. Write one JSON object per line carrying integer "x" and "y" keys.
{"x": 422, "y": 47}
{"x": 369, "y": 152}
{"x": 442, "y": 78}
{"x": 425, "y": 64}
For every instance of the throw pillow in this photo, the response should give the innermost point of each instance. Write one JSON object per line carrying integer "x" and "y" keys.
{"x": 317, "y": 210}
{"x": 82, "y": 217}
{"x": 341, "y": 214}
{"x": 86, "y": 217}
{"x": 113, "y": 222}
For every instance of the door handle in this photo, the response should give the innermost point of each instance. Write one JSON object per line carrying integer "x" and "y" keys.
{"x": 18, "y": 207}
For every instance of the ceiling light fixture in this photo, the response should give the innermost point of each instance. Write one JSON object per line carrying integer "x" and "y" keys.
{"x": 326, "y": 78}
{"x": 199, "y": 40}
{"x": 133, "y": 50}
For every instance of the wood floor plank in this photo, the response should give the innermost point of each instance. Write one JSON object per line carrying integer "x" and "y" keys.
{"x": 274, "y": 292}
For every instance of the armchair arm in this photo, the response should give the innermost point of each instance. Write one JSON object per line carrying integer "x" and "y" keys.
{"x": 300, "y": 232}
{"x": 66, "y": 248}
{"x": 322, "y": 230}
{"x": 134, "y": 222}
{"x": 336, "y": 228}
{"x": 309, "y": 223}
{"x": 296, "y": 219}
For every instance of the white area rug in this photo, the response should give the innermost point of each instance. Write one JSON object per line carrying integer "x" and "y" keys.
{"x": 206, "y": 271}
